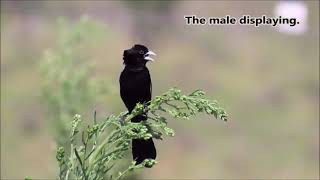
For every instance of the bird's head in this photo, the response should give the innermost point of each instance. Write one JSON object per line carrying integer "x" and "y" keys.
{"x": 138, "y": 55}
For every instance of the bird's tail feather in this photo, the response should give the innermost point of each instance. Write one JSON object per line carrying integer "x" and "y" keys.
{"x": 143, "y": 149}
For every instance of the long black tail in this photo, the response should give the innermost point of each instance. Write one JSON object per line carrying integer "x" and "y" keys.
{"x": 142, "y": 149}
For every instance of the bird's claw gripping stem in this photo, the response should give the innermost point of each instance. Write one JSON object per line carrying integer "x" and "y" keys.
{"x": 122, "y": 119}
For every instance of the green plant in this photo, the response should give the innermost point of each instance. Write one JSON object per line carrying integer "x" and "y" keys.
{"x": 99, "y": 147}
{"x": 67, "y": 68}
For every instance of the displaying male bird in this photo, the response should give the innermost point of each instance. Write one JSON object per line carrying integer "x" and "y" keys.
{"x": 136, "y": 87}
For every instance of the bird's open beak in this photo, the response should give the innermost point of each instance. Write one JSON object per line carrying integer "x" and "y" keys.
{"x": 147, "y": 56}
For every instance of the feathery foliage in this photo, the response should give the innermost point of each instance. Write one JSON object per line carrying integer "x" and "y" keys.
{"x": 95, "y": 154}
{"x": 68, "y": 87}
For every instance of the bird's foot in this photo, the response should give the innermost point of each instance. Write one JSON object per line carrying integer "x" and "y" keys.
{"x": 122, "y": 119}
{"x": 145, "y": 106}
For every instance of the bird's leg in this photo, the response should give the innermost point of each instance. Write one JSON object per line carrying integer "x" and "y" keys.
{"x": 122, "y": 119}
{"x": 145, "y": 108}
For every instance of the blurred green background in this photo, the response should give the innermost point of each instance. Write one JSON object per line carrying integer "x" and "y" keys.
{"x": 267, "y": 79}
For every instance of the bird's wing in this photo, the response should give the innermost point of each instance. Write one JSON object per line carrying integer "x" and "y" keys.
{"x": 150, "y": 87}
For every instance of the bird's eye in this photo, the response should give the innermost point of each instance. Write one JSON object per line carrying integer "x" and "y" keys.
{"x": 141, "y": 52}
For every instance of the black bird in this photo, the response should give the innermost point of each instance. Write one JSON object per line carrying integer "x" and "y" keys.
{"x": 136, "y": 87}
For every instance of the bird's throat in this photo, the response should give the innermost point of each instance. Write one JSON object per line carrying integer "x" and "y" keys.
{"x": 135, "y": 68}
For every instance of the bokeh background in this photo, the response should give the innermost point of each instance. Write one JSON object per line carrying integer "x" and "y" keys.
{"x": 267, "y": 78}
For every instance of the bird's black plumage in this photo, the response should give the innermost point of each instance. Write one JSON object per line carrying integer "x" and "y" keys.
{"x": 135, "y": 87}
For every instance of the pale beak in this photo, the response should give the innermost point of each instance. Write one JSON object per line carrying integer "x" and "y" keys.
{"x": 151, "y": 53}
{"x": 147, "y": 56}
